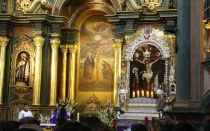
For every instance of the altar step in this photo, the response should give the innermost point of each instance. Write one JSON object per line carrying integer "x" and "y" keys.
{"x": 139, "y": 108}
{"x": 139, "y": 115}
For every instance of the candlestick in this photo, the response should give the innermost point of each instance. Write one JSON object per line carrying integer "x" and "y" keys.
{"x": 138, "y": 93}
{"x": 147, "y": 93}
{"x": 134, "y": 95}
{"x": 152, "y": 94}
{"x": 78, "y": 116}
{"x": 142, "y": 93}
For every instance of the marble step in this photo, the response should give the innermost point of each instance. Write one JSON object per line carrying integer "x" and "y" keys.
{"x": 139, "y": 115}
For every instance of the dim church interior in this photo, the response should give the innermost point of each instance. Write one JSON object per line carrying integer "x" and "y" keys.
{"x": 145, "y": 56}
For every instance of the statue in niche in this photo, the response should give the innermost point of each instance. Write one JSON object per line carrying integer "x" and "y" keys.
{"x": 22, "y": 70}
{"x": 136, "y": 79}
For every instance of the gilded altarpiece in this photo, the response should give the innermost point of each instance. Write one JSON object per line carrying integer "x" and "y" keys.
{"x": 148, "y": 63}
{"x": 21, "y": 74}
{"x": 96, "y": 56}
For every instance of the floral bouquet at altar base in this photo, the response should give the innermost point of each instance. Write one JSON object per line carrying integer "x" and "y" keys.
{"x": 107, "y": 115}
{"x": 154, "y": 125}
{"x": 68, "y": 104}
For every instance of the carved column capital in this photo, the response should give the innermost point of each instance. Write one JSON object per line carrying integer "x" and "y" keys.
{"x": 73, "y": 49}
{"x": 39, "y": 41}
{"x": 4, "y": 41}
{"x": 55, "y": 43}
{"x": 127, "y": 37}
{"x": 118, "y": 44}
{"x": 64, "y": 48}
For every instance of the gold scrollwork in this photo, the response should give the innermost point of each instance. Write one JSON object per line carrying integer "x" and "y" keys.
{"x": 151, "y": 4}
{"x": 4, "y": 41}
{"x": 31, "y": 6}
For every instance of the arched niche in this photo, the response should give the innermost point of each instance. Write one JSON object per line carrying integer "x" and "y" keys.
{"x": 144, "y": 45}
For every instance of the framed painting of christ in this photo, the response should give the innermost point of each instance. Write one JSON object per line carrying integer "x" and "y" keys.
{"x": 147, "y": 68}
{"x": 96, "y": 62}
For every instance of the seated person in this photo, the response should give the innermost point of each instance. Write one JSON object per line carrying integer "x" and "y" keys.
{"x": 25, "y": 112}
{"x": 59, "y": 112}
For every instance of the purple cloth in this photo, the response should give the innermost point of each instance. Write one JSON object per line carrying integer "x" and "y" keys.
{"x": 56, "y": 114}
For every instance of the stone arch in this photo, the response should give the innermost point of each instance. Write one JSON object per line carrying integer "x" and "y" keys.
{"x": 157, "y": 42}
{"x": 60, "y": 3}
{"x": 92, "y": 7}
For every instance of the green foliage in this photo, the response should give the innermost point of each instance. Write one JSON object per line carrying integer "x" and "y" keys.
{"x": 107, "y": 114}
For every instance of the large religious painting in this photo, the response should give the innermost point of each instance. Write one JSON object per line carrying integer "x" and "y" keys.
{"x": 96, "y": 56}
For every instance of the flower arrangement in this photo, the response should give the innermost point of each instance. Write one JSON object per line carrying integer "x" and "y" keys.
{"x": 68, "y": 105}
{"x": 43, "y": 119}
{"x": 107, "y": 115}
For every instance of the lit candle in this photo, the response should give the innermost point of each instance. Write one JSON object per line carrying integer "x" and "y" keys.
{"x": 134, "y": 95}
{"x": 152, "y": 94}
{"x": 147, "y": 94}
{"x": 138, "y": 93}
{"x": 142, "y": 93}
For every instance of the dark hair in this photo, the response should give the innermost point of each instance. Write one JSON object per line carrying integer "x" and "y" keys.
{"x": 9, "y": 125}
{"x": 183, "y": 126}
{"x": 60, "y": 121}
{"x": 25, "y": 104}
{"x": 74, "y": 126}
{"x": 29, "y": 120}
{"x": 139, "y": 127}
{"x": 206, "y": 125}
{"x": 167, "y": 127}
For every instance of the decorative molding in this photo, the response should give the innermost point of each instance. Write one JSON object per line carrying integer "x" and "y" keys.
{"x": 90, "y": 6}
{"x": 32, "y": 6}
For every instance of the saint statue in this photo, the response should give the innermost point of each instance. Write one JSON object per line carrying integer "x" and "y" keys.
{"x": 136, "y": 79}
{"x": 148, "y": 74}
{"x": 22, "y": 70}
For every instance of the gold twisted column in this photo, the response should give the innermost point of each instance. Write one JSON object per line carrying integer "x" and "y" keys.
{"x": 117, "y": 69}
{"x": 54, "y": 70}
{"x": 39, "y": 41}
{"x": 3, "y": 44}
{"x": 64, "y": 51}
{"x": 71, "y": 81}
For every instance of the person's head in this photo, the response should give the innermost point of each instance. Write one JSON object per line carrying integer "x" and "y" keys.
{"x": 23, "y": 56}
{"x": 9, "y": 125}
{"x": 139, "y": 127}
{"x": 25, "y": 106}
{"x": 167, "y": 127}
{"x": 183, "y": 126}
{"x": 206, "y": 126}
{"x": 59, "y": 107}
{"x": 60, "y": 121}
{"x": 73, "y": 126}
{"x": 29, "y": 120}
{"x": 146, "y": 61}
